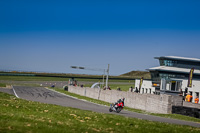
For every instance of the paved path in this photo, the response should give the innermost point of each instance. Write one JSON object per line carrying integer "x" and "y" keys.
{"x": 48, "y": 96}
{"x": 6, "y": 90}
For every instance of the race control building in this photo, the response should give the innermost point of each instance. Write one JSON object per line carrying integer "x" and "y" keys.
{"x": 172, "y": 76}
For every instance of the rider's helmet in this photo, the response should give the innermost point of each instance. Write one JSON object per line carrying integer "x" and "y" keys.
{"x": 119, "y": 101}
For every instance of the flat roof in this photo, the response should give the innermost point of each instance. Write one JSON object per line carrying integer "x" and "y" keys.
{"x": 179, "y": 58}
{"x": 173, "y": 69}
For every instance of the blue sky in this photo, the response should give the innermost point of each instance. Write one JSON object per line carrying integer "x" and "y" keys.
{"x": 51, "y": 36}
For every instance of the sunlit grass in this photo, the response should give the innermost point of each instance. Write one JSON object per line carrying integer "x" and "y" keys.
{"x": 123, "y": 87}
{"x": 2, "y": 85}
{"x": 17, "y": 115}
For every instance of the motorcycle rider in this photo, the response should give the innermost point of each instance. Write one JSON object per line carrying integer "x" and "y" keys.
{"x": 118, "y": 102}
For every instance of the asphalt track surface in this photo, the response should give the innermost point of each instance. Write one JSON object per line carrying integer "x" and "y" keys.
{"x": 44, "y": 95}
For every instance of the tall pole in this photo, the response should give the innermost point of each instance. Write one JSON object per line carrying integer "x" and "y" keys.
{"x": 107, "y": 77}
{"x": 103, "y": 76}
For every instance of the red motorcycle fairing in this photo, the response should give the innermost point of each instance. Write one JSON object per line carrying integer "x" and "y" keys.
{"x": 120, "y": 104}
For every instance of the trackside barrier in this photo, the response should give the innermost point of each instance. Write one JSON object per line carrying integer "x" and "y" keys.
{"x": 148, "y": 102}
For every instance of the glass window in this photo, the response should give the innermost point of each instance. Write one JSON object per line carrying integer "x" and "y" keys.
{"x": 173, "y": 85}
{"x": 178, "y": 85}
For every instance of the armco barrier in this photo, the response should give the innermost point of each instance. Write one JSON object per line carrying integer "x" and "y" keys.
{"x": 148, "y": 102}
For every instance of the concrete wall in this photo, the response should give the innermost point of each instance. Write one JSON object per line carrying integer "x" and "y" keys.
{"x": 147, "y": 102}
{"x": 177, "y": 100}
{"x": 192, "y": 105}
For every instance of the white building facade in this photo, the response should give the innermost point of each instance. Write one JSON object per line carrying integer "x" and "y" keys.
{"x": 146, "y": 86}
{"x": 172, "y": 76}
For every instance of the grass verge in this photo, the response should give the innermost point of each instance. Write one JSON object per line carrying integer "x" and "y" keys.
{"x": 17, "y": 115}
{"x": 2, "y": 85}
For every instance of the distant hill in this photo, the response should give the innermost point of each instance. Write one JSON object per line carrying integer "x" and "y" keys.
{"x": 137, "y": 74}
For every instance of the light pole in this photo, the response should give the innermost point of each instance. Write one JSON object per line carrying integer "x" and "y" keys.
{"x": 96, "y": 69}
{"x": 103, "y": 75}
{"x": 107, "y": 76}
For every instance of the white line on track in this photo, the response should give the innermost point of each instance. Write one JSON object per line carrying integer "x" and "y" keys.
{"x": 15, "y": 92}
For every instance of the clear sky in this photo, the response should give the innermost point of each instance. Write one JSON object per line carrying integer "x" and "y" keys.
{"x": 51, "y": 36}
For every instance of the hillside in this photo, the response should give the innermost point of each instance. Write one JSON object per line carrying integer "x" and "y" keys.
{"x": 137, "y": 74}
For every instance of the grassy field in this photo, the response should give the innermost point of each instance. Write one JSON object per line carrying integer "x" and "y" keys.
{"x": 34, "y": 78}
{"x": 17, "y": 115}
{"x": 123, "y": 87}
{"x": 2, "y": 85}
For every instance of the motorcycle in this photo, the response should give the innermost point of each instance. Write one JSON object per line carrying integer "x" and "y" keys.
{"x": 117, "y": 107}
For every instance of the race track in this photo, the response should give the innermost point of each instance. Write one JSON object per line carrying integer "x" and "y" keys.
{"x": 44, "y": 95}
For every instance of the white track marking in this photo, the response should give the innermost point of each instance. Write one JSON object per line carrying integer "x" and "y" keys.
{"x": 15, "y": 92}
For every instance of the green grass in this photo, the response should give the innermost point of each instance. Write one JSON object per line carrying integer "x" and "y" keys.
{"x": 123, "y": 87}
{"x": 35, "y": 78}
{"x": 32, "y": 78}
{"x": 177, "y": 116}
{"x": 173, "y": 116}
{"x": 110, "y": 80}
{"x": 2, "y": 85}
{"x": 17, "y": 115}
